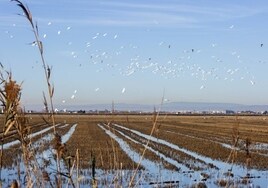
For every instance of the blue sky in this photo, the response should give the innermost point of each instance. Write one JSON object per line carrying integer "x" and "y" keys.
{"x": 134, "y": 51}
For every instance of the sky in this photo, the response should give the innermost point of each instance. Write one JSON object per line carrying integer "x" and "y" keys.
{"x": 139, "y": 51}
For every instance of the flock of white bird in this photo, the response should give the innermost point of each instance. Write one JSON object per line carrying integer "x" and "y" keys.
{"x": 176, "y": 67}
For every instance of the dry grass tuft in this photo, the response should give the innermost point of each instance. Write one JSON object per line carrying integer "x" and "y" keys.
{"x": 10, "y": 97}
{"x": 15, "y": 119}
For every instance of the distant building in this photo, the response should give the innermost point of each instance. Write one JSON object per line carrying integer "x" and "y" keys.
{"x": 248, "y": 112}
{"x": 229, "y": 112}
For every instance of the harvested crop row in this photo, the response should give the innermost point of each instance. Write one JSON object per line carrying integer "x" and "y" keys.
{"x": 92, "y": 142}
{"x": 206, "y": 148}
{"x": 179, "y": 156}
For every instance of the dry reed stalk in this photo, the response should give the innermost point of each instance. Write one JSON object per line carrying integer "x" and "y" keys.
{"x": 233, "y": 154}
{"x": 9, "y": 98}
{"x": 71, "y": 170}
{"x": 47, "y": 70}
{"x": 109, "y": 156}
{"x": 3, "y": 136}
{"x": 155, "y": 118}
{"x": 246, "y": 179}
{"x": 101, "y": 157}
{"x": 115, "y": 153}
{"x": 247, "y": 148}
{"x": 115, "y": 161}
{"x": 15, "y": 118}
{"x": 77, "y": 168}
{"x": 116, "y": 156}
{"x": 235, "y": 140}
{"x": 93, "y": 170}
{"x": 93, "y": 165}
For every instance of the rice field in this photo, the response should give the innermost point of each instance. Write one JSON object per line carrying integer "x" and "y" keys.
{"x": 181, "y": 151}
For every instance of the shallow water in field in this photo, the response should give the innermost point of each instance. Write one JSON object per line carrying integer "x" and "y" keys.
{"x": 154, "y": 175}
{"x": 257, "y": 177}
{"x": 158, "y": 153}
{"x": 8, "y": 145}
{"x": 11, "y": 173}
{"x": 149, "y": 165}
{"x": 68, "y": 135}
